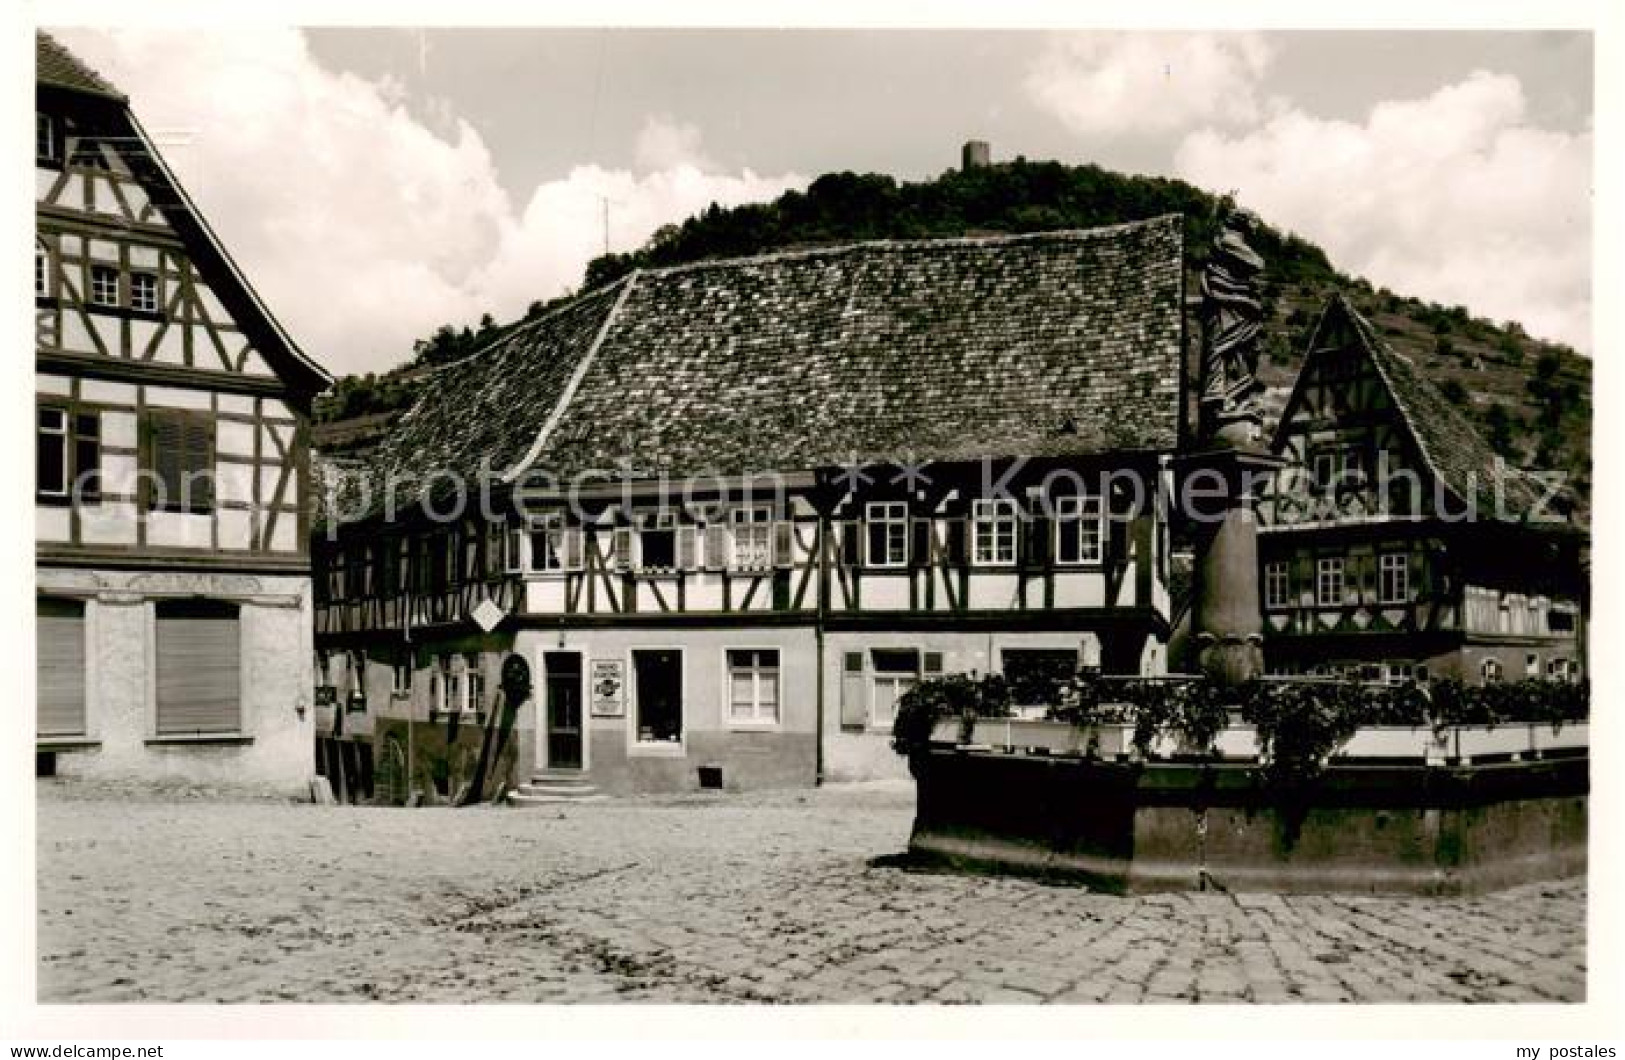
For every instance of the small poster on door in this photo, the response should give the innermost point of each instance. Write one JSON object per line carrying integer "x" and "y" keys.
{"x": 608, "y": 688}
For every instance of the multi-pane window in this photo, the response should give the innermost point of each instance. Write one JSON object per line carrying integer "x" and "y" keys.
{"x": 473, "y": 684}
{"x": 1329, "y": 581}
{"x": 67, "y": 454}
{"x": 47, "y": 145}
{"x": 144, "y": 292}
{"x": 400, "y": 683}
{"x": 1393, "y": 570}
{"x": 753, "y": 538}
{"x": 1491, "y": 671}
{"x": 887, "y": 523}
{"x": 104, "y": 285}
{"x": 1078, "y": 530}
{"x": 993, "y": 532}
{"x": 753, "y": 686}
{"x": 657, "y": 542}
{"x": 1339, "y": 466}
{"x": 893, "y": 672}
{"x": 180, "y": 459}
{"x": 1277, "y": 585}
{"x": 553, "y": 547}
{"x": 42, "y": 272}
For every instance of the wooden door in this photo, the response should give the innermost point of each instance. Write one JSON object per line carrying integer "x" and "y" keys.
{"x": 563, "y": 699}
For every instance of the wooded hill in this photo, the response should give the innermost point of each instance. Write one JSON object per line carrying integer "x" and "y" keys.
{"x": 1533, "y": 398}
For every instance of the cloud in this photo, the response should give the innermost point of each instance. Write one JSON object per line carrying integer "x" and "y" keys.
{"x": 1453, "y": 198}
{"x": 1145, "y": 84}
{"x": 362, "y": 225}
{"x": 666, "y": 144}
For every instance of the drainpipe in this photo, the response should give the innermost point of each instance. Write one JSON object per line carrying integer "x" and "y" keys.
{"x": 818, "y": 653}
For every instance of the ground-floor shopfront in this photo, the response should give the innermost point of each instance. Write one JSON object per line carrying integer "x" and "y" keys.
{"x": 649, "y": 708}
{"x": 175, "y": 676}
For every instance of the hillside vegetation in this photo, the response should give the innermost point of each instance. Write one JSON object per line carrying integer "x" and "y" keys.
{"x": 1532, "y": 398}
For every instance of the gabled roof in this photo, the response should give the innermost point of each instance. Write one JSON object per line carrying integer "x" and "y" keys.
{"x": 1061, "y": 343}
{"x": 57, "y": 67}
{"x": 1450, "y": 445}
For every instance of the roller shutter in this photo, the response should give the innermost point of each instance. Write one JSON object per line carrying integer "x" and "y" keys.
{"x": 199, "y": 668}
{"x": 61, "y": 659}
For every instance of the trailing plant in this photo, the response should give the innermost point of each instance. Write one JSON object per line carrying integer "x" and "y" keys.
{"x": 960, "y": 696}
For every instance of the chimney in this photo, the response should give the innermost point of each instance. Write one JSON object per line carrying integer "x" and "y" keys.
{"x": 975, "y": 155}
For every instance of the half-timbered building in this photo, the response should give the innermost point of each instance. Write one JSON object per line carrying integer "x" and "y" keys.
{"x": 1395, "y": 544}
{"x": 726, "y": 514}
{"x": 171, "y": 523}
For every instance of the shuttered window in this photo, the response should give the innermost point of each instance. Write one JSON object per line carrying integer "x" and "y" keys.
{"x": 180, "y": 459}
{"x": 854, "y": 700}
{"x": 199, "y": 682}
{"x": 61, "y": 661}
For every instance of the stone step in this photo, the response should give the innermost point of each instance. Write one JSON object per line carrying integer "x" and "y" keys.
{"x": 532, "y": 797}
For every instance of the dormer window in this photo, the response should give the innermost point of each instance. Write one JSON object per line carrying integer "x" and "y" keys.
{"x": 47, "y": 141}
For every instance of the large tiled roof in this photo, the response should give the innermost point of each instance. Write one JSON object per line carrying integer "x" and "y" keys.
{"x": 1063, "y": 343}
{"x": 1450, "y": 444}
{"x": 55, "y": 65}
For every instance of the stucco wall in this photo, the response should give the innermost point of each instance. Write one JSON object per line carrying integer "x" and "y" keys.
{"x": 276, "y": 752}
{"x": 749, "y": 755}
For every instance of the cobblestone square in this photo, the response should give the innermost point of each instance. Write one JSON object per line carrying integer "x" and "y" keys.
{"x": 765, "y": 897}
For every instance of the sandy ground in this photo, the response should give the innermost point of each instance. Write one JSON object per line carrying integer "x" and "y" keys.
{"x": 764, "y": 897}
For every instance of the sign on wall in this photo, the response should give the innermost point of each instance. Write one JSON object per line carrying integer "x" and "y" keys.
{"x": 608, "y": 688}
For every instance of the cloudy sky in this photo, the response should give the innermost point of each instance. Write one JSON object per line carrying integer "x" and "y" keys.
{"x": 375, "y": 183}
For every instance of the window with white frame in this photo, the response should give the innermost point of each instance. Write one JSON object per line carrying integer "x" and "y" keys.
{"x": 473, "y": 684}
{"x": 47, "y": 145}
{"x": 400, "y": 682}
{"x": 993, "y": 532}
{"x": 1277, "y": 584}
{"x": 144, "y": 292}
{"x": 1394, "y": 577}
{"x": 753, "y": 686}
{"x": 892, "y": 672}
{"x": 657, "y": 542}
{"x": 1329, "y": 581}
{"x": 887, "y": 534}
{"x": 1531, "y": 665}
{"x": 752, "y": 538}
{"x": 1079, "y": 530}
{"x": 1491, "y": 671}
{"x": 554, "y": 547}
{"x": 104, "y": 285}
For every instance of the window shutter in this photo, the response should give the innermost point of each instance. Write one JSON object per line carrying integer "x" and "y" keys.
{"x": 1117, "y": 524}
{"x": 198, "y": 668}
{"x": 87, "y": 454}
{"x": 687, "y": 547}
{"x": 570, "y": 546}
{"x": 166, "y": 442}
{"x": 919, "y": 546}
{"x": 783, "y": 542}
{"x": 1303, "y": 578}
{"x": 852, "y": 543}
{"x": 958, "y": 546}
{"x": 854, "y": 704}
{"x": 61, "y": 668}
{"x": 716, "y": 546}
{"x": 620, "y": 549}
{"x": 199, "y": 463}
{"x": 1035, "y": 551}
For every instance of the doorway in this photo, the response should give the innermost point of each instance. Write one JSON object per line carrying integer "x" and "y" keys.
{"x": 563, "y": 702}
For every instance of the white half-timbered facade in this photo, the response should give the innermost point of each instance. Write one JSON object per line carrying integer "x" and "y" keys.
{"x": 1394, "y": 544}
{"x": 171, "y": 480}
{"x": 736, "y": 509}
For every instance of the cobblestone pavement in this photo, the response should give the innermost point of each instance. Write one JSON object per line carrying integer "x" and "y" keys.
{"x": 763, "y": 897}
